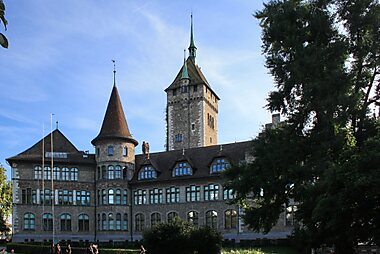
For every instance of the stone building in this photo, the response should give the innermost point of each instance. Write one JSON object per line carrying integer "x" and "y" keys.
{"x": 62, "y": 193}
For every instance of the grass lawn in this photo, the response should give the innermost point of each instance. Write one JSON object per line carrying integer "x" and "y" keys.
{"x": 260, "y": 250}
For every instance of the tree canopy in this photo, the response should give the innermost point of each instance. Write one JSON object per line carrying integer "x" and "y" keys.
{"x": 3, "y": 39}
{"x": 5, "y": 200}
{"x": 324, "y": 57}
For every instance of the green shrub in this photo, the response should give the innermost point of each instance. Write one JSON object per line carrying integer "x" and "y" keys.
{"x": 206, "y": 240}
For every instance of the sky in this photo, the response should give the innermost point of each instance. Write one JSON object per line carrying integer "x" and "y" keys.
{"x": 59, "y": 62}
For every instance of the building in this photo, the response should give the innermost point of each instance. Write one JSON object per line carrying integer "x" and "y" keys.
{"x": 62, "y": 193}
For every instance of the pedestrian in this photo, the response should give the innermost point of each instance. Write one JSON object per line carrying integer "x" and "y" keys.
{"x": 68, "y": 249}
{"x": 142, "y": 250}
{"x": 52, "y": 249}
{"x": 58, "y": 249}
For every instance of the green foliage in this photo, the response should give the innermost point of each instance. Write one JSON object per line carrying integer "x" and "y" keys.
{"x": 5, "y": 200}
{"x": 3, "y": 39}
{"x": 180, "y": 237}
{"x": 324, "y": 56}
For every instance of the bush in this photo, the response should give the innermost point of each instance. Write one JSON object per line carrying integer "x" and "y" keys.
{"x": 180, "y": 237}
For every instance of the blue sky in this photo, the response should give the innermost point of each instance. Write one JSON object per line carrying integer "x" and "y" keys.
{"x": 59, "y": 61}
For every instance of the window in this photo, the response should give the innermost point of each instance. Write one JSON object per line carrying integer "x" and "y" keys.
{"x": 125, "y": 197}
{"x": 140, "y": 197}
{"x": 147, "y": 172}
{"x": 184, "y": 89}
{"x": 104, "y": 197}
{"x": 104, "y": 221}
{"x": 289, "y": 215}
{"x": 193, "y": 193}
{"x": 26, "y": 196}
{"x": 210, "y": 121}
{"x": 155, "y": 196}
{"x": 110, "y": 150}
{"x": 111, "y": 222}
{"x": 228, "y": 194}
{"x": 172, "y": 195}
{"x": 195, "y": 88}
{"x": 125, "y": 221}
{"x": 47, "y": 173}
{"x": 230, "y": 219}
{"x": 56, "y": 173}
{"x": 65, "y": 222}
{"x": 29, "y": 221}
{"x": 182, "y": 169}
{"x": 171, "y": 216}
{"x": 47, "y": 222}
{"x": 192, "y": 126}
{"x": 155, "y": 218}
{"x": 65, "y": 197}
{"x": 219, "y": 165}
{"x": 104, "y": 172}
{"x": 47, "y": 197}
{"x": 111, "y": 174}
{"x": 125, "y": 151}
{"x": 84, "y": 222}
{"x": 83, "y": 197}
{"x": 37, "y": 172}
{"x": 193, "y": 218}
{"x": 118, "y": 172}
{"x": 139, "y": 222}
{"x": 174, "y": 92}
{"x": 99, "y": 228}
{"x": 74, "y": 174}
{"x": 118, "y": 221}
{"x": 212, "y": 219}
{"x": 118, "y": 197}
{"x": 65, "y": 176}
{"x": 211, "y": 192}
{"x": 178, "y": 138}
{"x": 111, "y": 196}
{"x": 97, "y": 152}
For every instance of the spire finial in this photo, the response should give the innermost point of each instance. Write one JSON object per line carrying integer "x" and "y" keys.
{"x": 192, "y": 48}
{"x": 114, "y": 72}
{"x": 56, "y": 125}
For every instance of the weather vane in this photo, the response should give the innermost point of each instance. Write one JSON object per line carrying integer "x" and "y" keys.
{"x": 114, "y": 72}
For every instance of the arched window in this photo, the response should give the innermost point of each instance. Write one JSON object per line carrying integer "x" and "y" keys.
{"x": 56, "y": 173}
{"x": 47, "y": 173}
{"x": 125, "y": 197}
{"x": 171, "y": 216}
{"x": 29, "y": 221}
{"x": 111, "y": 172}
{"x": 104, "y": 172}
{"x": 182, "y": 169}
{"x": 65, "y": 174}
{"x": 125, "y": 151}
{"x": 118, "y": 221}
{"x": 111, "y": 222}
{"x": 155, "y": 218}
{"x": 111, "y": 196}
{"x": 37, "y": 172}
{"x": 84, "y": 222}
{"x": 104, "y": 197}
{"x": 110, "y": 150}
{"x": 193, "y": 218}
{"x": 99, "y": 224}
{"x": 118, "y": 197}
{"x": 74, "y": 174}
{"x": 125, "y": 221}
{"x": 147, "y": 172}
{"x": 219, "y": 165}
{"x": 117, "y": 172}
{"x": 65, "y": 222}
{"x": 230, "y": 219}
{"x": 212, "y": 219}
{"x": 47, "y": 222}
{"x": 104, "y": 221}
{"x": 139, "y": 222}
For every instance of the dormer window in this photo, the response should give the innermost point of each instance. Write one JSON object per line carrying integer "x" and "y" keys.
{"x": 182, "y": 169}
{"x": 219, "y": 165}
{"x": 110, "y": 150}
{"x": 147, "y": 172}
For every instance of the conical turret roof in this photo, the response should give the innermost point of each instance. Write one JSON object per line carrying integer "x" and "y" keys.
{"x": 114, "y": 124}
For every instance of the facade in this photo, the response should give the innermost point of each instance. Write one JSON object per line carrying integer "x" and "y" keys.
{"x": 62, "y": 193}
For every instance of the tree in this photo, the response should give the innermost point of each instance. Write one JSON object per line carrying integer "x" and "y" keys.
{"x": 324, "y": 56}
{"x": 3, "y": 39}
{"x": 5, "y": 200}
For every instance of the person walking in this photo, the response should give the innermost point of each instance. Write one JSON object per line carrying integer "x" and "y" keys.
{"x": 142, "y": 250}
{"x": 68, "y": 249}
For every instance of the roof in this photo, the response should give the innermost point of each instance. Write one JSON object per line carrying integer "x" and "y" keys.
{"x": 114, "y": 123}
{"x": 65, "y": 151}
{"x": 195, "y": 74}
{"x": 199, "y": 158}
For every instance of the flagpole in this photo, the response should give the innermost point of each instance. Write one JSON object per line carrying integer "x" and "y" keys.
{"x": 52, "y": 175}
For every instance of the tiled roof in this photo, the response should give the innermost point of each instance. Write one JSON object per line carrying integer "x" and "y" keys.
{"x": 114, "y": 123}
{"x": 195, "y": 74}
{"x": 199, "y": 158}
{"x": 62, "y": 147}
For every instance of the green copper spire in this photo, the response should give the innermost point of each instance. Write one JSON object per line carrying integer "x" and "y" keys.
{"x": 185, "y": 73}
{"x": 192, "y": 48}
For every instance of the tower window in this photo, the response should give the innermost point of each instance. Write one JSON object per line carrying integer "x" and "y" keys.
{"x": 110, "y": 150}
{"x": 125, "y": 151}
{"x": 210, "y": 140}
{"x": 97, "y": 152}
{"x": 184, "y": 89}
{"x": 174, "y": 92}
{"x": 178, "y": 138}
{"x": 195, "y": 88}
{"x": 192, "y": 126}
